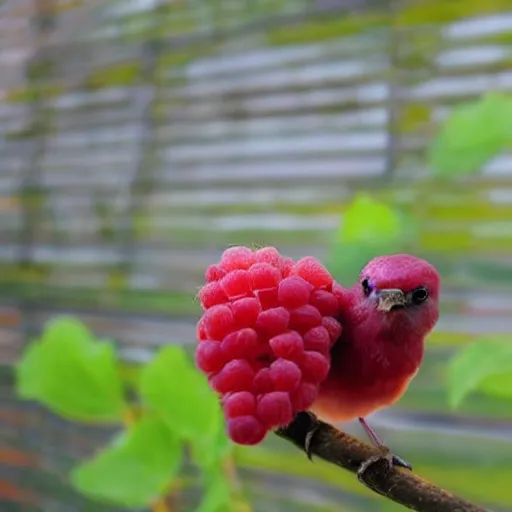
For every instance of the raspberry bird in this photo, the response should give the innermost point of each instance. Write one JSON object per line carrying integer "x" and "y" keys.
{"x": 386, "y": 317}
{"x": 280, "y": 337}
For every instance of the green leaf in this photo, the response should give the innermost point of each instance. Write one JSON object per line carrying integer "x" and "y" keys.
{"x": 135, "y": 469}
{"x": 173, "y": 387}
{"x": 367, "y": 221}
{"x": 472, "y": 135}
{"x": 478, "y": 365}
{"x": 72, "y": 374}
{"x": 345, "y": 261}
{"x": 369, "y": 228}
{"x": 209, "y": 451}
{"x": 218, "y": 495}
{"x": 499, "y": 385}
{"x": 29, "y": 373}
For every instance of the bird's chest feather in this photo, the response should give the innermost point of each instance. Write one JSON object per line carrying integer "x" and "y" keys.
{"x": 369, "y": 371}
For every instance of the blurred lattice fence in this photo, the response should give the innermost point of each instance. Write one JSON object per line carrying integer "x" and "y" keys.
{"x": 136, "y": 142}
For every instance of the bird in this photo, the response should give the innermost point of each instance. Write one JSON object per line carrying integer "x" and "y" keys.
{"x": 386, "y": 317}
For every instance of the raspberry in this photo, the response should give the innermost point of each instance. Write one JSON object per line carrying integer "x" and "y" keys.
{"x": 246, "y": 430}
{"x": 312, "y": 271}
{"x": 236, "y": 284}
{"x": 265, "y": 336}
{"x": 245, "y": 311}
{"x": 263, "y": 382}
{"x": 211, "y": 294}
{"x": 242, "y": 403}
{"x": 268, "y": 255}
{"x": 262, "y": 355}
{"x": 210, "y": 357}
{"x": 218, "y": 322}
{"x": 314, "y": 366}
{"x": 338, "y": 290}
{"x": 273, "y": 321}
{"x": 318, "y": 339}
{"x": 286, "y": 266}
{"x": 236, "y": 258}
{"x": 275, "y": 409}
{"x": 268, "y": 298}
{"x": 304, "y": 318}
{"x": 293, "y": 292}
{"x": 237, "y": 375}
{"x": 333, "y": 327}
{"x": 342, "y": 296}
{"x": 239, "y": 344}
{"x": 288, "y": 345}
{"x": 201, "y": 334}
{"x": 304, "y": 396}
{"x": 285, "y": 375}
{"x": 325, "y": 302}
{"x": 264, "y": 276}
{"x": 261, "y": 361}
{"x": 214, "y": 273}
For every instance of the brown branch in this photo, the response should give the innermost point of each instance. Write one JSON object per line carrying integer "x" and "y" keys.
{"x": 373, "y": 468}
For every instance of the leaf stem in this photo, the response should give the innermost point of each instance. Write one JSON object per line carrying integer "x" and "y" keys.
{"x": 240, "y": 504}
{"x": 131, "y": 416}
{"x": 161, "y": 506}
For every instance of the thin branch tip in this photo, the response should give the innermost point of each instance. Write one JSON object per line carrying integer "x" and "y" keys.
{"x": 374, "y": 469}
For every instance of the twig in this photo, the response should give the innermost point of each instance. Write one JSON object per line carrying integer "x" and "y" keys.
{"x": 373, "y": 468}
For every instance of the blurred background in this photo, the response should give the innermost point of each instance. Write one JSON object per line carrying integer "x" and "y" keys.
{"x": 139, "y": 138}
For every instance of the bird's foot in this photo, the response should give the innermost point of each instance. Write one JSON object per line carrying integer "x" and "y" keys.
{"x": 301, "y": 431}
{"x": 375, "y": 439}
{"x": 380, "y": 463}
{"x": 398, "y": 461}
{"x": 311, "y": 434}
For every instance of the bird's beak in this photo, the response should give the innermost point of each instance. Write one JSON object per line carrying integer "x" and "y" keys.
{"x": 390, "y": 298}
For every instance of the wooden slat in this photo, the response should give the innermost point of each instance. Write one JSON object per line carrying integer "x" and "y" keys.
{"x": 260, "y": 143}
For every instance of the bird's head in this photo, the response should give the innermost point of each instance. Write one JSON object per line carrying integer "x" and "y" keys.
{"x": 402, "y": 290}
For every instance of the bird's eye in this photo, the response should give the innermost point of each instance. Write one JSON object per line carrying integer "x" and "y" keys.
{"x": 367, "y": 287}
{"x": 419, "y": 295}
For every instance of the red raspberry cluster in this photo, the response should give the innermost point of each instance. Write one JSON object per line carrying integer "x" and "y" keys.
{"x": 265, "y": 337}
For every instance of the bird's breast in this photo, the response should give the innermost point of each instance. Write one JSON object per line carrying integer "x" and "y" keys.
{"x": 362, "y": 381}
{"x": 344, "y": 400}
